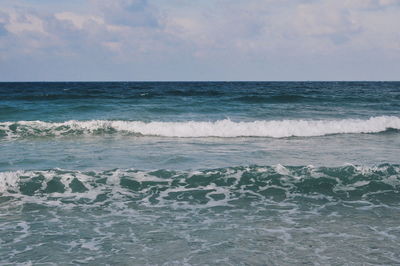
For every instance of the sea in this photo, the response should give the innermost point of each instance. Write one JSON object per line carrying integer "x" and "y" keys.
{"x": 200, "y": 173}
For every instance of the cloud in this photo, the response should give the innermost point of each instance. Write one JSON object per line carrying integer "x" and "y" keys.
{"x": 127, "y": 12}
{"x": 318, "y": 27}
{"x": 22, "y": 23}
{"x": 78, "y": 20}
{"x": 186, "y": 33}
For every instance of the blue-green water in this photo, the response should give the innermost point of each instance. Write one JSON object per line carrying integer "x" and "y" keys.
{"x": 215, "y": 173}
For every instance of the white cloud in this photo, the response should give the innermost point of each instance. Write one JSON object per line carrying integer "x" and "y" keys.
{"x": 20, "y": 23}
{"x": 254, "y": 30}
{"x": 78, "y": 20}
{"x": 307, "y": 26}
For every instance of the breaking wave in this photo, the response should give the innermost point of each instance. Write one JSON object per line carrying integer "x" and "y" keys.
{"x": 221, "y": 128}
{"x": 215, "y": 187}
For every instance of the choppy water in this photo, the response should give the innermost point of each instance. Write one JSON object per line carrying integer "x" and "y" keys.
{"x": 242, "y": 173}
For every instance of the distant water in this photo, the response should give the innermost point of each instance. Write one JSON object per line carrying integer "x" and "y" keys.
{"x": 194, "y": 173}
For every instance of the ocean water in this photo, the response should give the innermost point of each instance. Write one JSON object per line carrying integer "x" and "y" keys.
{"x": 200, "y": 173}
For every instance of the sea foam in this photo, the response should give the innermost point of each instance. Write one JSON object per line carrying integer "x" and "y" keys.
{"x": 221, "y": 128}
{"x": 211, "y": 187}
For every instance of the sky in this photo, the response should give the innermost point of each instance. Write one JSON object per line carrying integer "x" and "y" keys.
{"x": 183, "y": 40}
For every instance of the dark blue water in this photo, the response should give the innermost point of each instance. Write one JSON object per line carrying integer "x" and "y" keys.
{"x": 227, "y": 173}
{"x": 172, "y": 101}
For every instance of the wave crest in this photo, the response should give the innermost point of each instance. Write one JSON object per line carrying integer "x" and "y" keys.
{"x": 221, "y": 128}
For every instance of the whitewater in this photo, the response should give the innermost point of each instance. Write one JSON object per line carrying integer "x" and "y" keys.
{"x": 222, "y": 128}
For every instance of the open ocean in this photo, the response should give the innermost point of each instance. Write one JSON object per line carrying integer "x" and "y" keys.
{"x": 200, "y": 173}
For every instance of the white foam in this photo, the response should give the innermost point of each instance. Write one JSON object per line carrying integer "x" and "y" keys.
{"x": 9, "y": 180}
{"x": 182, "y": 193}
{"x": 220, "y": 128}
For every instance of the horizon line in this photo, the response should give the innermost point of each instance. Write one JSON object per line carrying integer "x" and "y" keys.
{"x": 149, "y": 81}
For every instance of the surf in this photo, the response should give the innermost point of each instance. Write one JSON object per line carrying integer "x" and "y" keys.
{"x": 209, "y": 188}
{"x": 201, "y": 129}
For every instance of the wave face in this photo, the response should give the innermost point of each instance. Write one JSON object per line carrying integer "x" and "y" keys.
{"x": 222, "y": 128}
{"x": 208, "y": 188}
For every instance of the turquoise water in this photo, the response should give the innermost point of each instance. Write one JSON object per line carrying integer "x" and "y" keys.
{"x": 217, "y": 173}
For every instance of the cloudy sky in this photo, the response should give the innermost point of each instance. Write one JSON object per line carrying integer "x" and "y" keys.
{"x": 199, "y": 40}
